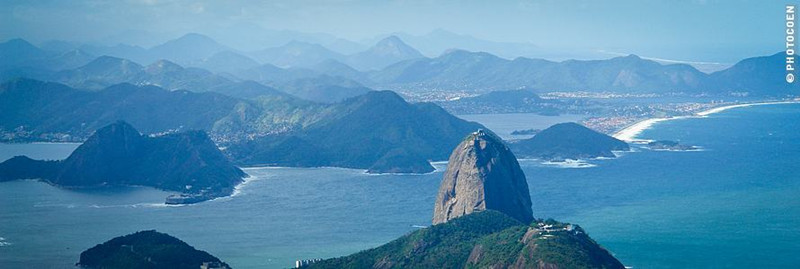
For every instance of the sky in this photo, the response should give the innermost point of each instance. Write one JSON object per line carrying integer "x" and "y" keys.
{"x": 682, "y": 30}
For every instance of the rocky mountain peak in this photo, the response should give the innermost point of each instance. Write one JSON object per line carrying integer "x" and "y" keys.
{"x": 482, "y": 174}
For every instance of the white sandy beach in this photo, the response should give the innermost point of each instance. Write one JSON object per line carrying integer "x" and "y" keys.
{"x": 723, "y": 108}
{"x": 630, "y": 133}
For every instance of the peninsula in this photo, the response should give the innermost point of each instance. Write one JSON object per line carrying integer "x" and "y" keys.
{"x": 118, "y": 154}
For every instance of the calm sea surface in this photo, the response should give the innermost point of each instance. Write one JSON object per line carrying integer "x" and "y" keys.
{"x": 734, "y": 204}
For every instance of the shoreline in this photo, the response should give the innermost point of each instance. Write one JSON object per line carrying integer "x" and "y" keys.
{"x": 629, "y": 134}
{"x": 433, "y": 164}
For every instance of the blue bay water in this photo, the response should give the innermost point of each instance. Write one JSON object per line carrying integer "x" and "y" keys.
{"x": 734, "y": 204}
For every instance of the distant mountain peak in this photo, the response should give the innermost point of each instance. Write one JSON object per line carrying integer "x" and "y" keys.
{"x": 107, "y": 59}
{"x": 163, "y": 66}
{"x": 629, "y": 58}
{"x": 106, "y": 63}
{"x": 391, "y": 39}
{"x": 393, "y": 45}
{"x": 18, "y": 51}
{"x": 383, "y": 97}
{"x": 117, "y": 128}
{"x": 195, "y": 37}
{"x": 635, "y": 58}
{"x": 388, "y": 51}
{"x": 187, "y": 48}
{"x": 18, "y": 42}
{"x": 463, "y": 53}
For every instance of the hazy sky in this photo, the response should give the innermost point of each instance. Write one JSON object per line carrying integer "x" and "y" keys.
{"x": 685, "y": 30}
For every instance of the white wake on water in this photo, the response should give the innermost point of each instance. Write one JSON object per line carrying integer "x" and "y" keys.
{"x": 569, "y": 163}
{"x": 238, "y": 189}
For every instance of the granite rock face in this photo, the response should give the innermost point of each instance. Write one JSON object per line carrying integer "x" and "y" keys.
{"x": 482, "y": 174}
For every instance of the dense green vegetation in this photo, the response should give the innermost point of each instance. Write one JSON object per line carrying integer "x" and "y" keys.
{"x": 367, "y": 131}
{"x": 44, "y": 107}
{"x": 439, "y": 246}
{"x": 487, "y": 239}
{"x": 145, "y": 249}
{"x": 118, "y": 155}
{"x": 378, "y": 130}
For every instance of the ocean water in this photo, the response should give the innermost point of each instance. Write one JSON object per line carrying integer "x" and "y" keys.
{"x": 734, "y": 204}
{"x": 38, "y": 151}
{"x": 504, "y": 124}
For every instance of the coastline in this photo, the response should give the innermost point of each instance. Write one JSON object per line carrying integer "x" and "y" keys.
{"x": 629, "y": 134}
{"x": 237, "y": 190}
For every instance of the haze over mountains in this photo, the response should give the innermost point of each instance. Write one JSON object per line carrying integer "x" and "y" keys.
{"x": 311, "y": 71}
{"x": 373, "y": 131}
{"x": 302, "y": 104}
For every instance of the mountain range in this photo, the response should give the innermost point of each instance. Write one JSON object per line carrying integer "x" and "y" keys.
{"x": 105, "y": 71}
{"x": 385, "y": 52}
{"x": 392, "y": 64}
{"x": 47, "y": 107}
{"x": 438, "y": 41}
{"x": 377, "y": 130}
{"x": 464, "y": 70}
{"x": 460, "y": 69}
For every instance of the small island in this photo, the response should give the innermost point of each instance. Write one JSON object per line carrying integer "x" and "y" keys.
{"x": 670, "y": 146}
{"x": 526, "y": 132}
{"x": 565, "y": 141}
{"x": 148, "y": 249}
{"x": 118, "y": 154}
